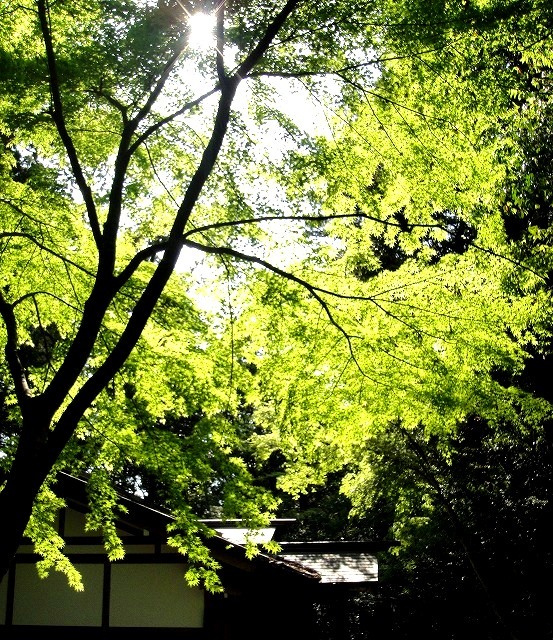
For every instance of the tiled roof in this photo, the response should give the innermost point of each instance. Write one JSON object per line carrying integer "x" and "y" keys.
{"x": 336, "y": 562}
{"x": 339, "y": 567}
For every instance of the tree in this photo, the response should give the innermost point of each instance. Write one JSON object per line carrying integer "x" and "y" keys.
{"x": 448, "y": 168}
{"x": 108, "y": 169}
{"x": 449, "y": 305}
{"x": 471, "y": 514}
{"x": 411, "y": 307}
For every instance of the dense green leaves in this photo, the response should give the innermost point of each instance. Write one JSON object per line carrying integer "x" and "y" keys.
{"x": 361, "y": 291}
{"x": 119, "y": 147}
{"x": 440, "y": 410}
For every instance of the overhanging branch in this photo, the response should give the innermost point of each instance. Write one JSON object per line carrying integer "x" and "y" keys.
{"x": 314, "y": 291}
{"x": 57, "y": 113}
{"x": 17, "y": 370}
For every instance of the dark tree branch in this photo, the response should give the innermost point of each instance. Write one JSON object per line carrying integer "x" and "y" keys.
{"x": 493, "y": 253}
{"x": 17, "y": 371}
{"x": 97, "y": 303}
{"x": 100, "y": 92}
{"x": 260, "y": 49}
{"x": 164, "y": 121}
{"x": 18, "y": 209}
{"x": 57, "y": 113}
{"x": 39, "y": 292}
{"x": 123, "y": 158}
{"x": 314, "y": 291}
{"x": 302, "y": 218}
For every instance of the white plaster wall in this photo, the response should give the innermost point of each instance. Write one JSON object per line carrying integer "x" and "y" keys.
{"x": 51, "y": 601}
{"x": 154, "y": 595}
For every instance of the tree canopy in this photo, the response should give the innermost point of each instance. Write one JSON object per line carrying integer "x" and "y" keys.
{"x": 360, "y": 292}
{"x": 447, "y": 166}
{"x": 119, "y": 148}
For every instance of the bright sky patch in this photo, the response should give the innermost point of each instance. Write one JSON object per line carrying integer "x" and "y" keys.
{"x": 202, "y": 30}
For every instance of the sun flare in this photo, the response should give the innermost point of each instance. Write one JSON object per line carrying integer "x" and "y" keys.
{"x": 202, "y": 30}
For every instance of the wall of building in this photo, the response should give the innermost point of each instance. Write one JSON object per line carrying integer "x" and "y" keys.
{"x": 146, "y": 589}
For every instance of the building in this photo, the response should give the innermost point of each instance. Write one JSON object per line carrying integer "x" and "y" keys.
{"x": 145, "y": 594}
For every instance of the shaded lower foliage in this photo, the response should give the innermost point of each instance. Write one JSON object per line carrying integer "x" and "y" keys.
{"x": 474, "y": 518}
{"x": 475, "y": 522}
